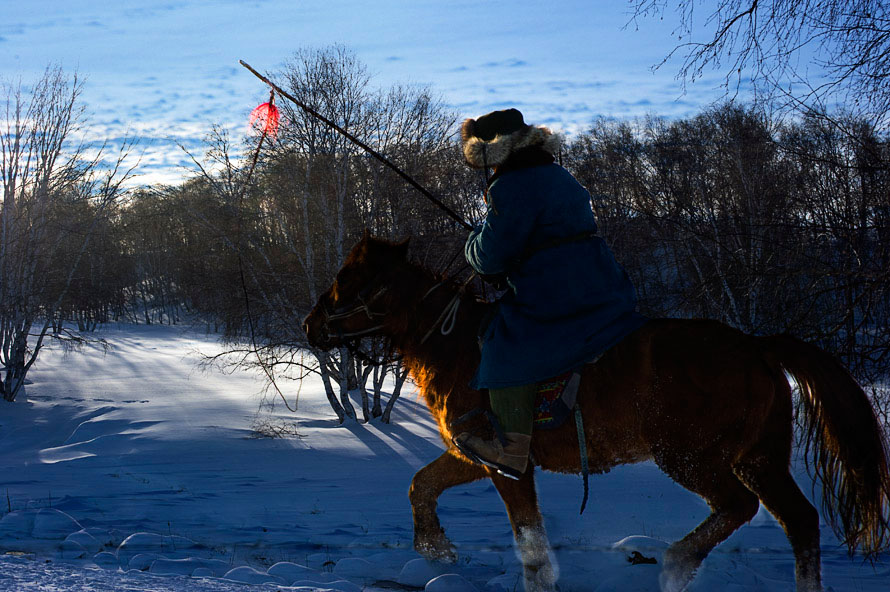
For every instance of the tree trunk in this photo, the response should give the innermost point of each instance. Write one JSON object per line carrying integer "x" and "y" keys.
{"x": 379, "y": 373}
{"x": 328, "y": 388}
{"x": 366, "y": 410}
{"x": 401, "y": 374}
{"x": 344, "y": 383}
{"x": 16, "y": 365}
{"x": 363, "y": 382}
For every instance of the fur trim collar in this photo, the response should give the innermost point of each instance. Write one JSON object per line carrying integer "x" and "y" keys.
{"x": 479, "y": 153}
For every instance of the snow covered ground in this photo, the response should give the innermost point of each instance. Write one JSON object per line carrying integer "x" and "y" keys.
{"x": 133, "y": 470}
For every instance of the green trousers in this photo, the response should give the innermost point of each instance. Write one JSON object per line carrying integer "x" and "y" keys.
{"x": 514, "y": 407}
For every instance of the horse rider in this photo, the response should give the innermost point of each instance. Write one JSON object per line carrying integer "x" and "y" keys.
{"x": 567, "y": 300}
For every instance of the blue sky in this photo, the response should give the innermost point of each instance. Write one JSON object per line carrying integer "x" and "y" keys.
{"x": 167, "y": 70}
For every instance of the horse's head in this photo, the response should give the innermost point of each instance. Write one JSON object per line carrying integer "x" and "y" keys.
{"x": 357, "y": 302}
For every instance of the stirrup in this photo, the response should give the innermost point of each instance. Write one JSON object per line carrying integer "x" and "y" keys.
{"x": 501, "y": 469}
{"x": 492, "y": 419}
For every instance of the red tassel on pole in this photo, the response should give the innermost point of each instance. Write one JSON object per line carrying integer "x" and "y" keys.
{"x": 264, "y": 119}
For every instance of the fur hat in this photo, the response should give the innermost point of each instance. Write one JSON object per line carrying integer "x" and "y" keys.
{"x": 490, "y": 140}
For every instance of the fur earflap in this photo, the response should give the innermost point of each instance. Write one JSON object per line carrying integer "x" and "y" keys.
{"x": 467, "y": 130}
{"x": 481, "y": 154}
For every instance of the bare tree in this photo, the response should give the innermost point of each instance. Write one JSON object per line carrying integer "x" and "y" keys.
{"x": 313, "y": 199}
{"x": 813, "y": 54}
{"x": 319, "y": 191}
{"x": 769, "y": 225}
{"x": 47, "y": 174}
{"x": 288, "y": 225}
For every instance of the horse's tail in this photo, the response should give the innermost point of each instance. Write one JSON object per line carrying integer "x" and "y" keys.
{"x": 847, "y": 443}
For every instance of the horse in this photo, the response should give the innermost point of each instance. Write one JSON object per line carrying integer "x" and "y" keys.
{"x": 710, "y": 405}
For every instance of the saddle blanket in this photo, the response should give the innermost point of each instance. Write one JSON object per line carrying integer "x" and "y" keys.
{"x": 555, "y": 400}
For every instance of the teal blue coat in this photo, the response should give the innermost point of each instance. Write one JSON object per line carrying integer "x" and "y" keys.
{"x": 565, "y": 304}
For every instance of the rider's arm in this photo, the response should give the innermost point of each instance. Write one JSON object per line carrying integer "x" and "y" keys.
{"x": 498, "y": 242}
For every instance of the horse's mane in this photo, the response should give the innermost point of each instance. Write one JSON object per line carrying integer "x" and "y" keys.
{"x": 443, "y": 364}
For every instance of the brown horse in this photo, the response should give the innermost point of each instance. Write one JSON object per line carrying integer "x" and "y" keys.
{"x": 709, "y": 404}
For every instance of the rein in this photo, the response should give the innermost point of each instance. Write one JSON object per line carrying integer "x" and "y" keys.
{"x": 448, "y": 318}
{"x": 445, "y": 322}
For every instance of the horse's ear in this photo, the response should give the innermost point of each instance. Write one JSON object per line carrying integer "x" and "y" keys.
{"x": 366, "y": 234}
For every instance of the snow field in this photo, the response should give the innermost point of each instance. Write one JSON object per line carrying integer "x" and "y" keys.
{"x": 133, "y": 470}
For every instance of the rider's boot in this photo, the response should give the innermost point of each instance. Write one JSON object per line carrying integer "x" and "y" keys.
{"x": 514, "y": 409}
{"x": 510, "y": 458}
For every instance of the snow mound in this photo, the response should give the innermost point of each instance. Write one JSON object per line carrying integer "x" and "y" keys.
{"x": 640, "y": 543}
{"x": 85, "y": 540}
{"x": 322, "y": 577}
{"x": 356, "y": 568}
{"x": 335, "y": 586}
{"x": 106, "y": 560}
{"x": 449, "y": 583}
{"x": 291, "y": 572}
{"x": 70, "y": 550}
{"x": 53, "y": 524}
{"x": 171, "y": 547}
{"x": 249, "y": 575}
{"x": 188, "y": 567}
{"x": 142, "y": 561}
{"x": 17, "y": 525}
{"x": 418, "y": 572}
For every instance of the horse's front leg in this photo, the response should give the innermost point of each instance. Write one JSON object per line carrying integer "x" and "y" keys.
{"x": 521, "y": 502}
{"x": 426, "y": 487}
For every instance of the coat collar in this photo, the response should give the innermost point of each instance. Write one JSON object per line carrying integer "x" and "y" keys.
{"x": 481, "y": 154}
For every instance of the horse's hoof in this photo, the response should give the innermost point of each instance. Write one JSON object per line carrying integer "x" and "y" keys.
{"x": 540, "y": 579}
{"x": 677, "y": 571}
{"x": 673, "y": 579}
{"x": 442, "y": 550}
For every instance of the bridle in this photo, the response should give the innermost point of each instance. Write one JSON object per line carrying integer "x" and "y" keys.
{"x": 446, "y": 320}
{"x": 363, "y": 305}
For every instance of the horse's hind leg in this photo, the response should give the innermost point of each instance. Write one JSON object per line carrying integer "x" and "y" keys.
{"x": 732, "y": 505}
{"x": 764, "y": 470}
{"x": 775, "y": 487}
{"x": 521, "y": 502}
{"x": 426, "y": 487}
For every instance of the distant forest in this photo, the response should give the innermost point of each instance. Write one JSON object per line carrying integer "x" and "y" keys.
{"x": 769, "y": 224}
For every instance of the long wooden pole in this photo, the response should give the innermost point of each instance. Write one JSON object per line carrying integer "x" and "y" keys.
{"x": 454, "y": 215}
